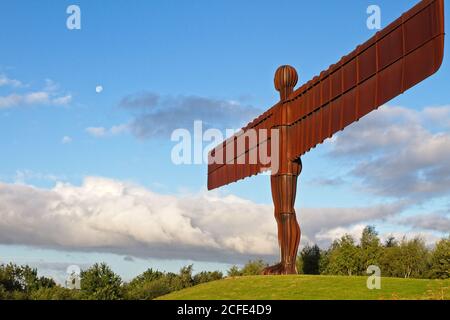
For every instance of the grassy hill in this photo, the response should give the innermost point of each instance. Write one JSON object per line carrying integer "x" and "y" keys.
{"x": 313, "y": 287}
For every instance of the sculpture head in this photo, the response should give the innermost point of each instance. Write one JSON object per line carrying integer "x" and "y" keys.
{"x": 286, "y": 78}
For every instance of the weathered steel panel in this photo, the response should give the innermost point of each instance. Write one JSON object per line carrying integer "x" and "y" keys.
{"x": 403, "y": 54}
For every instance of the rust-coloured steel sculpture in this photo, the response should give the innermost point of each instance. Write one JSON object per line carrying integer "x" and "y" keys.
{"x": 403, "y": 54}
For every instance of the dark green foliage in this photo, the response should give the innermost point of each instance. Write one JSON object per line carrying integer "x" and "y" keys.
{"x": 148, "y": 289}
{"x": 55, "y": 293}
{"x": 343, "y": 257}
{"x": 310, "y": 260}
{"x": 412, "y": 258}
{"x": 391, "y": 242}
{"x": 19, "y": 282}
{"x": 99, "y": 282}
{"x": 440, "y": 260}
{"x": 152, "y": 284}
{"x": 207, "y": 276}
{"x": 234, "y": 271}
{"x": 405, "y": 259}
{"x": 253, "y": 268}
{"x": 185, "y": 277}
{"x": 370, "y": 249}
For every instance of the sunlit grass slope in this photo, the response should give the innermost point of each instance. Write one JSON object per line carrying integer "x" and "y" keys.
{"x": 313, "y": 288}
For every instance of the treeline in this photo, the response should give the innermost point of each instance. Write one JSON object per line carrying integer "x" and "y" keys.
{"x": 395, "y": 258}
{"x": 98, "y": 282}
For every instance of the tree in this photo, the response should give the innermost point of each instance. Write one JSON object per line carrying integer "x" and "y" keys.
{"x": 310, "y": 257}
{"x": 253, "y": 268}
{"x": 149, "y": 289}
{"x": 234, "y": 271}
{"x": 412, "y": 258}
{"x": 207, "y": 276}
{"x": 32, "y": 282}
{"x": 143, "y": 288}
{"x": 3, "y": 293}
{"x": 390, "y": 242}
{"x": 370, "y": 248}
{"x": 21, "y": 281}
{"x": 11, "y": 278}
{"x": 185, "y": 276}
{"x": 343, "y": 257}
{"x": 55, "y": 293}
{"x": 324, "y": 261}
{"x": 148, "y": 275}
{"x": 440, "y": 260}
{"x": 99, "y": 282}
{"x": 389, "y": 259}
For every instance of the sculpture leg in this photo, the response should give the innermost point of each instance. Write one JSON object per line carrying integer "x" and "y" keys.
{"x": 284, "y": 189}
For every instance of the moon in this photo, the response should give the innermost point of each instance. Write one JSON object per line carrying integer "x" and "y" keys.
{"x": 98, "y": 89}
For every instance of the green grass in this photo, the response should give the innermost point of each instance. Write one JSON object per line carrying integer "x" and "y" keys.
{"x": 313, "y": 288}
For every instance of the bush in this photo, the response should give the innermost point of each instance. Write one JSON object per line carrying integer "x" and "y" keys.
{"x": 253, "y": 268}
{"x": 149, "y": 289}
{"x": 55, "y": 293}
{"x": 207, "y": 276}
{"x": 343, "y": 257}
{"x": 18, "y": 282}
{"x": 310, "y": 260}
{"x": 234, "y": 271}
{"x": 440, "y": 260}
{"x": 99, "y": 282}
{"x": 152, "y": 284}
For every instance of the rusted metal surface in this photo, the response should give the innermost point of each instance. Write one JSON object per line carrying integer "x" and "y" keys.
{"x": 284, "y": 188}
{"x": 403, "y": 54}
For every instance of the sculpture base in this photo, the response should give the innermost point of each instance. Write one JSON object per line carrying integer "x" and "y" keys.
{"x": 279, "y": 269}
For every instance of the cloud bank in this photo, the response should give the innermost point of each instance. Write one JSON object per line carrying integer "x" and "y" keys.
{"x": 399, "y": 153}
{"x": 107, "y": 215}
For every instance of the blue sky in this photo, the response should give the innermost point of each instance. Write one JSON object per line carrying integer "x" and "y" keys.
{"x": 224, "y": 52}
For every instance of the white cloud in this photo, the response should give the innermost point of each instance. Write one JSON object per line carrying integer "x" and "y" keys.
{"x": 11, "y": 100}
{"x": 430, "y": 238}
{"x": 114, "y": 130}
{"x": 435, "y": 221}
{"x": 117, "y": 216}
{"x": 398, "y": 152}
{"x": 5, "y": 81}
{"x": 47, "y": 96}
{"x": 439, "y": 115}
{"x": 112, "y": 216}
{"x": 51, "y": 86}
{"x": 62, "y": 101}
{"x": 40, "y": 97}
{"x": 336, "y": 233}
{"x": 101, "y": 132}
{"x": 66, "y": 140}
{"x": 96, "y": 131}
{"x": 355, "y": 231}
